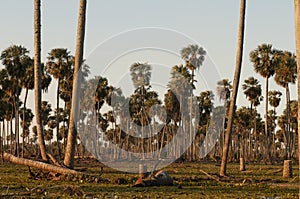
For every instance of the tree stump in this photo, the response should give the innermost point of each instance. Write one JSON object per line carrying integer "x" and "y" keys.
{"x": 287, "y": 169}
{"x": 242, "y": 164}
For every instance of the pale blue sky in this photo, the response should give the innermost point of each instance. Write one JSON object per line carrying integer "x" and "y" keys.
{"x": 213, "y": 24}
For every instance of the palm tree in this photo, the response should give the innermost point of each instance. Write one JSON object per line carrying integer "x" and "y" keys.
{"x": 239, "y": 58}
{"x": 194, "y": 57}
{"x": 286, "y": 73}
{"x": 72, "y": 133}
{"x": 252, "y": 90}
{"x": 26, "y": 117}
{"x": 16, "y": 61}
{"x": 181, "y": 87}
{"x": 59, "y": 66}
{"x": 27, "y": 82}
{"x": 243, "y": 118}
{"x": 297, "y": 35}
{"x": 37, "y": 76}
{"x": 140, "y": 76}
{"x": 274, "y": 100}
{"x": 293, "y": 125}
{"x": 263, "y": 62}
{"x": 6, "y": 87}
{"x": 224, "y": 89}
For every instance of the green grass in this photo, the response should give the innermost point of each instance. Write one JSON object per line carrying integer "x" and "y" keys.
{"x": 262, "y": 181}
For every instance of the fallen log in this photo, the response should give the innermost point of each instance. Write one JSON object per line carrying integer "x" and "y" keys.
{"x": 39, "y": 165}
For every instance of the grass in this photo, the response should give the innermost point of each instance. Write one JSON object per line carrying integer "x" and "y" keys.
{"x": 259, "y": 181}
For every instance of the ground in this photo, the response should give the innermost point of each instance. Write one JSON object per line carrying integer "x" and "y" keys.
{"x": 259, "y": 181}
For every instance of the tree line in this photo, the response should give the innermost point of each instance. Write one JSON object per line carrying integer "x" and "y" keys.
{"x": 250, "y": 139}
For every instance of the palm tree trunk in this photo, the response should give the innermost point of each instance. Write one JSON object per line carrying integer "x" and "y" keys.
{"x": 57, "y": 118}
{"x": 239, "y": 58}
{"x": 39, "y": 165}
{"x": 268, "y": 143}
{"x": 11, "y": 134}
{"x": 37, "y": 77}
{"x": 24, "y": 118}
{"x": 72, "y": 133}
{"x": 1, "y": 143}
{"x": 297, "y": 33}
{"x": 288, "y": 134}
{"x": 17, "y": 140}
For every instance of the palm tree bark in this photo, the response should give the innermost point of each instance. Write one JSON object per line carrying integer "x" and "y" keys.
{"x": 297, "y": 33}
{"x": 72, "y": 133}
{"x": 239, "y": 58}
{"x": 37, "y": 77}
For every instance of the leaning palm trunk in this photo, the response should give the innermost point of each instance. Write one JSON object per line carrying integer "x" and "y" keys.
{"x": 239, "y": 57}
{"x": 37, "y": 76}
{"x": 72, "y": 133}
{"x": 297, "y": 30}
{"x": 39, "y": 165}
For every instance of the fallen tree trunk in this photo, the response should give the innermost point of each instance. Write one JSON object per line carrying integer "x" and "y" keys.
{"x": 39, "y": 165}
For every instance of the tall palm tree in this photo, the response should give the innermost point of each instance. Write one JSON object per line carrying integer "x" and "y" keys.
{"x": 59, "y": 66}
{"x": 297, "y": 35}
{"x": 37, "y": 77}
{"x": 27, "y": 82}
{"x": 274, "y": 101}
{"x": 239, "y": 58}
{"x": 181, "y": 86}
{"x": 140, "y": 75}
{"x": 252, "y": 90}
{"x": 72, "y": 133}
{"x": 224, "y": 89}
{"x": 243, "y": 122}
{"x": 263, "y": 62}
{"x": 286, "y": 73}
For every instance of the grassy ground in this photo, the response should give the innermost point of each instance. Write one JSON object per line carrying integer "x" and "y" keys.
{"x": 259, "y": 181}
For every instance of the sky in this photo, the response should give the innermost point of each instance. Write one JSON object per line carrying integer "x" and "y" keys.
{"x": 211, "y": 24}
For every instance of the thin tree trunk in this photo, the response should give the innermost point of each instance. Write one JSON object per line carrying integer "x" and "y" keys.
{"x": 288, "y": 135}
{"x": 17, "y": 140}
{"x": 11, "y": 135}
{"x": 239, "y": 58}
{"x": 57, "y": 118}
{"x": 37, "y": 77}
{"x": 268, "y": 145}
{"x": 24, "y": 118}
{"x": 297, "y": 33}
{"x": 72, "y": 133}
{"x": 1, "y": 143}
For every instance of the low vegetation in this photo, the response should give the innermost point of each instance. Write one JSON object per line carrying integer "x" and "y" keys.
{"x": 259, "y": 181}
